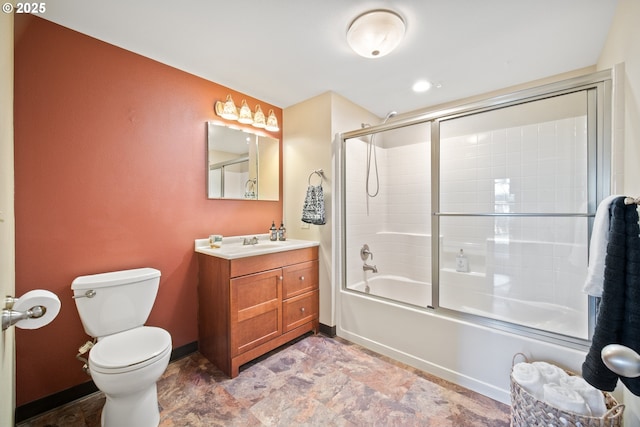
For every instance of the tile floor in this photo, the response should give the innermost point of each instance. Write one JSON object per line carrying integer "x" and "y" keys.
{"x": 316, "y": 381}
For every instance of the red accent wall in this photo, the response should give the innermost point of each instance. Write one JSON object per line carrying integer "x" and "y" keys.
{"x": 110, "y": 175}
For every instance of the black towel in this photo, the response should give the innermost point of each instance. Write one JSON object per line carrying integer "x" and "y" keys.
{"x": 619, "y": 315}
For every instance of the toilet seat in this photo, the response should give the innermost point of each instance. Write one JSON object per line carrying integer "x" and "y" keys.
{"x": 129, "y": 350}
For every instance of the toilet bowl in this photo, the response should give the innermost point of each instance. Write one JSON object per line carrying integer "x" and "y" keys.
{"x": 128, "y": 358}
{"x": 126, "y": 367}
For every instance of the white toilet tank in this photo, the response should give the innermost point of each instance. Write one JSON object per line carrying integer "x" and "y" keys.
{"x": 117, "y": 301}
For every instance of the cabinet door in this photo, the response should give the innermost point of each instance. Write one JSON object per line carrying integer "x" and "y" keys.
{"x": 300, "y": 278}
{"x": 300, "y": 310}
{"x": 256, "y": 310}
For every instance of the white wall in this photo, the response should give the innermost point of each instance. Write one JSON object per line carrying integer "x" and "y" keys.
{"x": 7, "y": 231}
{"x": 622, "y": 47}
{"x": 306, "y": 147}
{"x": 309, "y": 131}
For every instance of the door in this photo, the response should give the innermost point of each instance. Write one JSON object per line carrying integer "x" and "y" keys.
{"x": 256, "y": 310}
{"x": 7, "y": 234}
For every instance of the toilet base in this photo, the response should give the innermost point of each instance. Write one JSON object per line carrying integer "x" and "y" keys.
{"x": 138, "y": 409}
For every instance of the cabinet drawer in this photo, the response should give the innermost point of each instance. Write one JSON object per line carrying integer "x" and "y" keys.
{"x": 300, "y": 278}
{"x": 299, "y": 310}
{"x": 252, "y": 264}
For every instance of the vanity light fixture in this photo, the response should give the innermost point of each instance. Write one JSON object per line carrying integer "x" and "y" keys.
{"x": 376, "y": 33}
{"x": 228, "y": 110}
{"x": 272, "y": 122}
{"x": 258, "y": 118}
{"x": 245, "y": 114}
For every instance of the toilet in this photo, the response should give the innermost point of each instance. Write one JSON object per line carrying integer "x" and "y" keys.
{"x": 128, "y": 358}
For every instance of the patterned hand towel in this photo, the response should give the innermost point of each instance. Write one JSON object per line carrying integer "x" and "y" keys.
{"x": 313, "y": 209}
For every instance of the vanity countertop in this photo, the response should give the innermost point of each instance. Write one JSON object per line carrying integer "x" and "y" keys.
{"x": 233, "y": 247}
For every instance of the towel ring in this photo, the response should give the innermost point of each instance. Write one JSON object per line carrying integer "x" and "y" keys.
{"x": 318, "y": 172}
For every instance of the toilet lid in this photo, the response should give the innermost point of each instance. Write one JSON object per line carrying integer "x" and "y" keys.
{"x": 129, "y": 350}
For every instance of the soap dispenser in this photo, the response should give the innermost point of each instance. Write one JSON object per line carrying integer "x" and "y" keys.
{"x": 282, "y": 232}
{"x": 462, "y": 263}
{"x": 273, "y": 232}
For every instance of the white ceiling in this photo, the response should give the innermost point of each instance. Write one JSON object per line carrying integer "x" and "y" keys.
{"x": 286, "y": 51}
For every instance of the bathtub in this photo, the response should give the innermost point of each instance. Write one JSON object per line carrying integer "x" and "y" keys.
{"x": 488, "y": 296}
{"x": 397, "y": 288}
{"x": 471, "y": 294}
{"x": 393, "y": 319}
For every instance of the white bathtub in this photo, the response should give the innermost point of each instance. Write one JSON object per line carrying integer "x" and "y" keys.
{"x": 457, "y": 350}
{"x": 471, "y": 294}
{"x": 396, "y": 288}
{"x": 489, "y": 296}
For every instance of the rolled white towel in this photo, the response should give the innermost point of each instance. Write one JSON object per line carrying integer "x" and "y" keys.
{"x": 593, "y": 397}
{"x": 551, "y": 374}
{"x": 529, "y": 378}
{"x": 565, "y": 399}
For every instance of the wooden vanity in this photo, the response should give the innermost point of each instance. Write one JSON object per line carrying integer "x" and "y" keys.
{"x": 252, "y": 304}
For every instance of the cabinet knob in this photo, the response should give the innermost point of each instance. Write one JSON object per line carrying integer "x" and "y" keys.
{"x": 280, "y": 277}
{"x": 302, "y": 309}
{"x": 302, "y": 278}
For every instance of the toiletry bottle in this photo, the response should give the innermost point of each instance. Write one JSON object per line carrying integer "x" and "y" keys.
{"x": 462, "y": 263}
{"x": 273, "y": 232}
{"x": 282, "y": 232}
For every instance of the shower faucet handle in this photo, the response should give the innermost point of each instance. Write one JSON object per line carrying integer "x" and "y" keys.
{"x": 365, "y": 252}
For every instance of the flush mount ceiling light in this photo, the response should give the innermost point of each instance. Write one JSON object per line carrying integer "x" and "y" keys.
{"x": 375, "y": 33}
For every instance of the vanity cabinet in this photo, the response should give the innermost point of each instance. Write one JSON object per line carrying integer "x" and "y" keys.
{"x": 251, "y": 305}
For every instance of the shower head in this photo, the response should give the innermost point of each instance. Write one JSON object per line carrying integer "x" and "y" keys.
{"x": 389, "y": 115}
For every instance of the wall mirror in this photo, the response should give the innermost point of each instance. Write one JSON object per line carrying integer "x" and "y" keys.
{"x": 241, "y": 164}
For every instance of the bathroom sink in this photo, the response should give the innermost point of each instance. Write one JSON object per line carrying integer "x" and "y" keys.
{"x": 233, "y": 247}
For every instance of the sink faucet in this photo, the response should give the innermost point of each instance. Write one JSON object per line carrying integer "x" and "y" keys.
{"x": 371, "y": 268}
{"x": 250, "y": 241}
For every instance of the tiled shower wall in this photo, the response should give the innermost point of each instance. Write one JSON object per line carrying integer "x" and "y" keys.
{"x": 531, "y": 169}
{"x": 543, "y": 167}
{"x": 397, "y": 226}
{"x": 536, "y": 168}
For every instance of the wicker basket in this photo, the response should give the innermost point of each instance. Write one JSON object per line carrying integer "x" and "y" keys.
{"x": 527, "y": 411}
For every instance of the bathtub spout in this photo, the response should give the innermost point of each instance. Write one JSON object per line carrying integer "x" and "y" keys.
{"x": 371, "y": 268}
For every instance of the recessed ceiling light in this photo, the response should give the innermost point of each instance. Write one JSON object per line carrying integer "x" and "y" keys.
{"x": 421, "y": 86}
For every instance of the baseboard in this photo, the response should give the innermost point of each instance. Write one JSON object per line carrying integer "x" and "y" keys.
{"x": 328, "y": 330}
{"x": 40, "y": 406}
{"x": 182, "y": 351}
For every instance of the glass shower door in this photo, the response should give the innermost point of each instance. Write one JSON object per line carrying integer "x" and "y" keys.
{"x": 514, "y": 194}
